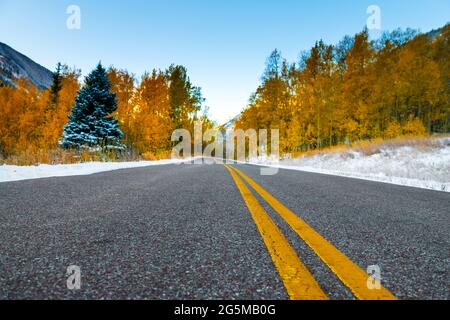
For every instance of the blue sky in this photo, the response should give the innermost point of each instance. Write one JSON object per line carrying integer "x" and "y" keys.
{"x": 223, "y": 43}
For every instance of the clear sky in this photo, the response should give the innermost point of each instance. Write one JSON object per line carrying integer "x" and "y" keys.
{"x": 223, "y": 43}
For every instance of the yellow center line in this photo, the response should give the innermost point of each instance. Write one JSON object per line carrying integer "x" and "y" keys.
{"x": 298, "y": 281}
{"x": 348, "y": 272}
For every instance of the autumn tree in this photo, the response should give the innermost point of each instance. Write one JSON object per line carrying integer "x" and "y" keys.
{"x": 123, "y": 85}
{"x": 184, "y": 98}
{"x": 358, "y": 89}
{"x": 61, "y": 99}
{"x": 151, "y": 123}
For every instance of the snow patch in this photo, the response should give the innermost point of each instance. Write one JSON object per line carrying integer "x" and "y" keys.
{"x": 412, "y": 166}
{"x": 16, "y": 173}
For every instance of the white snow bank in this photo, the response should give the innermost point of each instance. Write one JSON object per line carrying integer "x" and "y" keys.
{"x": 413, "y": 166}
{"x": 15, "y": 173}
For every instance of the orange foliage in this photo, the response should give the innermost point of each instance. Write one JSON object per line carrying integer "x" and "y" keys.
{"x": 356, "y": 90}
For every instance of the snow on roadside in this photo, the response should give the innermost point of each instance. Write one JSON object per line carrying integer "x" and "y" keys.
{"x": 16, "y": 173}
{"x": 416, "y": 166}
{"x": 412, "y": 166}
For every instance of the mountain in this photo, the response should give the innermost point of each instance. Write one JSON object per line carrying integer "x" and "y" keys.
{"x": 14, "y": 65}
{"x": 230, "y": 124}
{"x": 433, "y": 34}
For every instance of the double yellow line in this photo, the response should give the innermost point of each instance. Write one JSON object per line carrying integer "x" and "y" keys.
{"x": 299, "y": 282}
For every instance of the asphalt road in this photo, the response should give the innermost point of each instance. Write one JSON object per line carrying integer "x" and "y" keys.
{"x": 185, "y": 232}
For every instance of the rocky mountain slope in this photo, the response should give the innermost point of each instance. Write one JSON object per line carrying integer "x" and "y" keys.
{"x": 14, "y": 65}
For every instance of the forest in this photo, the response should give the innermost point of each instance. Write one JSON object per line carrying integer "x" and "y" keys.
{"x": 35, "y": 124}
{"x": 358, "y": 89}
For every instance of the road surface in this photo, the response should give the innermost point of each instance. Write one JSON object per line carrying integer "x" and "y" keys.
{"x": 211, "y": 232}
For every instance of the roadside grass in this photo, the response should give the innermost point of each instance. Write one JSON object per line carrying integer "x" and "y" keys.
{"x": 59, "y": 156}
{"x": 34, "y": 156}
{"x": 375, "y": 146}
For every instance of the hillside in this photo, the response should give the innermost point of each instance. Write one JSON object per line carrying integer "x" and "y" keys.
{"x": 14, "y": 65}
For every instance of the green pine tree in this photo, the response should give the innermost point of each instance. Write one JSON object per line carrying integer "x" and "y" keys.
{"x": 91, "y": 124}
{"x": 56, "y": 86}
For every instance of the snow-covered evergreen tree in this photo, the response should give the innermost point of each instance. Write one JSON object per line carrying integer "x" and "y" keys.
{"x": 91, "y": 124}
